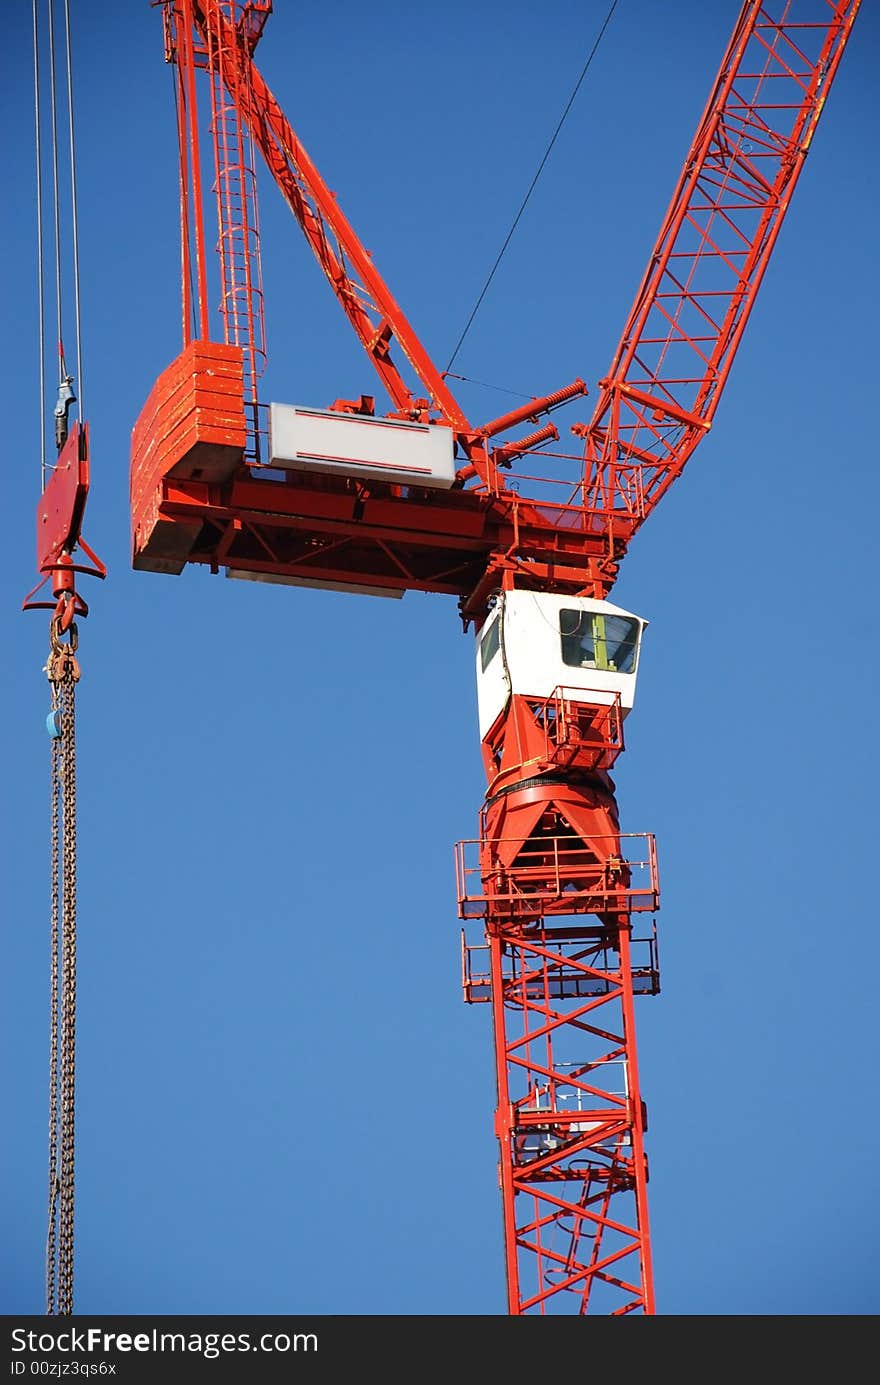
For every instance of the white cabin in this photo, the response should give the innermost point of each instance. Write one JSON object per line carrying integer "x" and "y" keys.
{"x": 532, "y": 643}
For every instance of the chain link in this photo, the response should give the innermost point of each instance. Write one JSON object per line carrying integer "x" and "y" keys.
{"x": 68, "y": 996}
{"x": 62, "y": 670}
{"x": 51, "y": 1239}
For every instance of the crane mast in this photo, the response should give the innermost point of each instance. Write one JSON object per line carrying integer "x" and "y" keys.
{"x": 528, "y": 533}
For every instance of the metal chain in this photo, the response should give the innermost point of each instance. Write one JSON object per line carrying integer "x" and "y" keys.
{"x": 63, "y": 673}
{"x": 51, "y": 1239}
{"x": 68, "y": 996}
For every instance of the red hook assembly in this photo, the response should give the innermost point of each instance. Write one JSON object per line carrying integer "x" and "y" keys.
{"x": 59, "y": 519}
{"x": 68, "y": 603}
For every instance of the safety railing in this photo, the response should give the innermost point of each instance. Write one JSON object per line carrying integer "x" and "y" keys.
{"x": 503, "y": 878}
{"x": 554, "y": 494}
{"x": 579, "y": 731}
{"x": 574, "y": 970}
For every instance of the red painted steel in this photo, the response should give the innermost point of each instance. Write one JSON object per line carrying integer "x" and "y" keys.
{"x": 191, "y": 167}
{"x": 559, "y": 888}
{"x": 60, "y": 514}
{"x": 62, "y": 505}
{"x": 460, "y": 542}
{"x": 235, "y": 188}
{"x": 218, "y": 37}
{"x": 664, "y": 385}
{"x": 192, "y": 427}
{"x": 557, "y": 885}
{"x": 665, "y": 382}
{"x": 364, "y": 296}
{"x": 552, "y": 733}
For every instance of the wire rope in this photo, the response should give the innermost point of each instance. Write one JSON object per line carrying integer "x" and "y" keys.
{"x": 55, "y": 191}
{"x": 40, "y": 270}
{"x": 74, "y": 220}
{"x": 532, "y": 185}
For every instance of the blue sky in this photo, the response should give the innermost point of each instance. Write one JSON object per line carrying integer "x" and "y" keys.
{"x": 283, "y": 1105}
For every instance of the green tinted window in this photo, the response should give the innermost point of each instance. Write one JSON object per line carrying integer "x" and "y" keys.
{"x": 594, "y": 640}
{"x": 490, "y": 643}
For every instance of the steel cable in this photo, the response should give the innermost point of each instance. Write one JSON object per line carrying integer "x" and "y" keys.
{"x": 74, "y": 220}
{"x": 56, "y": 195}
{"x": 532, "y": 185}
{"x": 40, "y": 270}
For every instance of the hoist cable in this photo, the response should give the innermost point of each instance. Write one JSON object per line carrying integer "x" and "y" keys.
{"x": 56, "y": 196}
{"x": 40, "y": 271}
{"x": 502, "y": 389}
{"x": 73, "y": 213}
{"x": 531, "y": 188}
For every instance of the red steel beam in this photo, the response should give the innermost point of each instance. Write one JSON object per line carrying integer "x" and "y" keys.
{"x": 187, "y": 96}
{"x": 570, "y": 1118}
{"x": 365, "y": 298}
{"x": 559, "y": 888}
{"x": 667, "y": 375}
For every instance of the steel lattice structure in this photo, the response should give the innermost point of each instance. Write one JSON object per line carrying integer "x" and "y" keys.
{"x": 566, "y": 900}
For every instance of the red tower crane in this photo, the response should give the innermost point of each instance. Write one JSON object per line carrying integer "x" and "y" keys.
{"x": 528, "y": 535}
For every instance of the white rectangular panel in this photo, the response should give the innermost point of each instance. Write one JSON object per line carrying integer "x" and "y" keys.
{"x": 408, "y": 454}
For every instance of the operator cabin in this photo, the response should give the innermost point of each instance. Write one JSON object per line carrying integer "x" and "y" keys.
{"x": 532, "y": 643}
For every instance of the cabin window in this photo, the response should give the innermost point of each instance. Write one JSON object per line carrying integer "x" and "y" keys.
{"x": 490, "y": 643}
{"x": 591, "y": 639}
